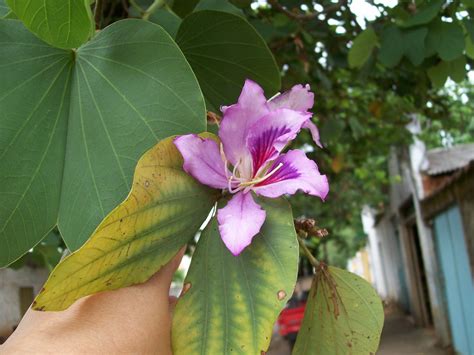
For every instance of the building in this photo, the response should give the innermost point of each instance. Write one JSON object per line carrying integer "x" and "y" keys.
{"x": 17, "y": 290}
{"x": 422, "y": 246}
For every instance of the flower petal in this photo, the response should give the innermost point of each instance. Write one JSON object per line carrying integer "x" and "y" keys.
{"x": 240, "y": 221}
{"x": 271, "y": 134}
{"x": 202, "y": 160}
{"x": 299, "y": 98}
{"x": 314, "y": 132}
{"x": 297, "y": 172}
{"x": 238, "y": 118}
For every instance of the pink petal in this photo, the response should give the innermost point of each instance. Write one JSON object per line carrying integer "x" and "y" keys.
{"x": 272, "y": 133}
{"x": 238, "y": 118}
{"x": 299, "y": 98}
{"x": 240, "y": 221}
{"x": 314, "y": 132}
{"x": 202, "y": 160}
{"x": 296, "y": 173}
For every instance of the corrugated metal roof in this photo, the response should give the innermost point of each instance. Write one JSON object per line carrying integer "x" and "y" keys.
{"x": 445, "y": 160}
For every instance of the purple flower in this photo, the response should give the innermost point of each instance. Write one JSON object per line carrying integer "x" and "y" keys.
{"x": 253, "y": 133}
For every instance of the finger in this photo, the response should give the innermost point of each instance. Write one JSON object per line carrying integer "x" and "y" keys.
{"x": 173, "y": 300}
{"x": 162, "y": 279}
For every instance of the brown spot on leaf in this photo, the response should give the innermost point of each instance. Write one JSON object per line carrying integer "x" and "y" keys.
{"x": 281, "y": 294}
{"x": 147, "y": 183}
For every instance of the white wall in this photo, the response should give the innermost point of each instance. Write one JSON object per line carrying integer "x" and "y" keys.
{"x": 10, "y": 283}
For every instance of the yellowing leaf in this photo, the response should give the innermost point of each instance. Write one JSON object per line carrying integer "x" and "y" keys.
{"x": 344, "y": 315}
{"x": 162, "y": 212}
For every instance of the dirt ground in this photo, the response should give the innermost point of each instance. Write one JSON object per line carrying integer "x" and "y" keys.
{"x": 399, "y": 337}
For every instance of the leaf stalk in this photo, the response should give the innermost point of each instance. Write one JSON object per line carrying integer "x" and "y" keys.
{"x": 157, "y": 4}
{"x": 310, "y": 256}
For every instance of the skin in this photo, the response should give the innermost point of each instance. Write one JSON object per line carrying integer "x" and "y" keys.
{"x": 135, "y": 319}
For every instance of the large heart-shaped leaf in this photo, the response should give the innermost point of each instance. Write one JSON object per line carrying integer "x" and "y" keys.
{"x": 61, "y": 23}
{"x": 74, "y": 123}
{"x": 231, "y": 303}
{"x": 224, "y": 50}
{"x": 163, "y": 211}
{"x": 344, "y": 315}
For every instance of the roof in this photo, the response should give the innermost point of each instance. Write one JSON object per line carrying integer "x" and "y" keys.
{"x": 446, "y": 160}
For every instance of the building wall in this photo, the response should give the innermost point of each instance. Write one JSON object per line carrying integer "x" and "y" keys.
{"x": 11, "y": 282}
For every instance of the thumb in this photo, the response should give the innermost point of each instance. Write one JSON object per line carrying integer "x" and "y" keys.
{"x": 162, "y": 279}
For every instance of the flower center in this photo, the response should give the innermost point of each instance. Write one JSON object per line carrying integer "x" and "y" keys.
{"x": 236, "y": 183}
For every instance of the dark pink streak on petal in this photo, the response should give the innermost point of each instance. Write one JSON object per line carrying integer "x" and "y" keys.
{"x": 262, "y": 148}
{"x": 296, "y": 173}
{"x": 271, "y": 134}
{"x": 238, "y": 118}
{"x": 285, "y": 172}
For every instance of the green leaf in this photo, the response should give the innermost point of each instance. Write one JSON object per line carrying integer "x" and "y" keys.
{"x": 241, "y": 4}
{"x": 468, "y": 3}
{"x": 362, "y": 48}
{"x": 231, "y": 303}
{"x": 61, "y": 23}
{"x": 163, "y": 212}
{"x": 166, "y": 19}
{"x": 344, "y": 315}
{"x": 455, "y": 69}
{"x": 469, "y": 26}
{"x": 424, "y": 14}
{"x": 184, "y": 7}
{"x": 224, "y": 50}
{"x": 469, "y": 48}
{"x": 414, "y": 43}
{"x": 438, "y": 74}
{"x": 391, "y": 46}
{"x": 75, "y": 123}
{"x": 218, "y": 5}
{"x": 4, "y": 9}
{"x": 447, "y": 39}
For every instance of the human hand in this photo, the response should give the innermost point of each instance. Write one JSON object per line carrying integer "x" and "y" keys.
{"x": 135, "y": 319}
